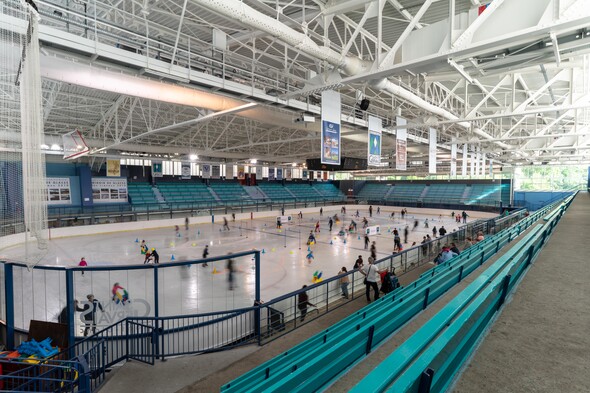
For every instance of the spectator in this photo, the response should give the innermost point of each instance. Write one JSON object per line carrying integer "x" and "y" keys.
{"x": 302, "y": 303}
{"x": 479, "y": 237}
{"x": 344, "y": 281}
{"x": 371, "y": 273}
{"x": 358, "y": 263}
{"x": 455, "y": 249}
{"x": 468, "y": 243}
{"x": 442, "y": 231}
{"x": 445, "y": 255}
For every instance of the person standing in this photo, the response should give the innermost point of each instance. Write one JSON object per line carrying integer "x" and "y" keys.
{"x": 429, "y": 241}
{"x": 371, "y": 273}
{"x": 378, "y": 210}
{"x": 371, "y": 211}
{"x": 434, "y": 231}
{"x": 225, "y": 224}
{"x": 424, "y": 246}
{"x": 83, "y": 263}
{"x": 317, "y": 227}
{"x": 310, "y": 256}
{"x": 374, "y": 250}
{"x": 205, "y": 254}
{"x": 89, "y": 313}
{"x": 156, "y": 256}
{"x": 344, "y": 281}
{"x": 283, "y": 211}
{"x": 406, "y": 233}
{"x": 366, "y": 241}
{"x": 321, "y": 211}
{"x": 442, "y": 231}
{"x": 330, "y": 223}
{"x": 464, "y": 215}
{"x": 303, "y": 302}
{"x": 186, "y": 223}
{"x": 230, "y": 273}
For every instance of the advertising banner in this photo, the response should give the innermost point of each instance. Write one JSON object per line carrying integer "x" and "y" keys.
{"x": 107, "y": 190}
{"x": 113, "y": 168}
{"x": 432, "y": 151}
{"x": 58, "y": 191}
{"x": 374, "y": 148}
{"x": 279, "y": 173}
{"x": 185, "y": 170}
{"x": 259, "y": 172}
{"x": 304, "y": 174}
{"x": 206, "y": 171}
{"x": 401, "y": 153}
{"x": 330, "y": 128}
{"x": 464, "y": 161}
{"x": 271, "y": 173}
{"x": 215, "y": 171}
{"x": 374, "y": 230}
{"x": 241, "y": 172}
{"x": 157, "y": 168}
{"x": 453, "y": 159}
{"x": 288, "y": 174}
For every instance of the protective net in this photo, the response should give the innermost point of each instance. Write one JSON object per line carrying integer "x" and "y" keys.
{"x": 23, "y": 195}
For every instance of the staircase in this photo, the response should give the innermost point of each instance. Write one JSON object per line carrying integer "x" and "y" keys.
{"x": 388, "y": 192}
{"x": 255, "y": 192}
{"x": 158, "y": 195}
{"x": 466, "y": 194}
{"x": 217, "y": 198}
{"x": 423, "y": 193}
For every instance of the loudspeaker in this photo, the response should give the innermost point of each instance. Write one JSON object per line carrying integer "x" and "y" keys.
{"x": 364, "y": 105}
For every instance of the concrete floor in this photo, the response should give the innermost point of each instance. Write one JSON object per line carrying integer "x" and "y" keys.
{"x": 540, "y": 341}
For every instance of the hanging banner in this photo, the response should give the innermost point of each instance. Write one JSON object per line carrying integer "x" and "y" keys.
{"x": 472, "y": 162}
{"x": 215, "y": 171}
{"x": 185, "y": 170}
{"x": 241, "y": 172}
{"x": 453, "y": 159}
{"x": 491, "y": 170}
{"x": 325, "y": 176}
{"x": 288, "y": 173}
{"x": 259, "y": 172}
{"x": 464, "y": 161}
{"x": 375, "y": 126}
{"x": 304, "y": 174}
{"x": 401, "y": 154}
{"x": 107, "y": 190}
{"x": 279, "y": 173}
{"x": 477, "y": 162}
{"x": 330, "y": 127}
{"x": 483, "y": 164}
{"x": 311, "y": 175}
{"x": 432, "y": 151}
{"x": 157, "y": 169}
{"x": 114, "y": 168}
{"x": 271, "y": 173}
{"x": 58, "y": 190}
{"x": 206, "y": 171}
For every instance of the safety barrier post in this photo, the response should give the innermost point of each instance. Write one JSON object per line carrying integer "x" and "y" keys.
{"x": 9, "y": 300}
{"x": 257, "y": 296}
{"x": 426, "y": 294}
{"x": 505, "y": 285}
{"x": 157, "y": 328}
{"x": 460, "y": 273}
{"x": 370, "y": 339}
{"x": 70, "y": 303}
{"x": 426, "y": 381}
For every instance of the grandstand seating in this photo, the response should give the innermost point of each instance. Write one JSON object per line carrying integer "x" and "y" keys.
{"x": 231, "y": 193}
{"x": 276, "y": 192}
{"x": 186, "y": 193}
{"x": 329, "y": 190}
{"x": 374, "y": 191}
{"x": 484, "y": 193}
{"x": 303, "y": 191}
{"x": 447, "y": 192}
{"x": 141, "y": 193}
{"x": 406, "y": 192}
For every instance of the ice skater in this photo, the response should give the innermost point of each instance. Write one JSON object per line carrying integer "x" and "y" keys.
{"x": 279, "y": 223}
{"x": 321, "y": 211}
{"x": 365, "y": 222}
{"x": 317, "y": 227}
{"x": 82, "y": 263}
{"x": 392, "y": 216}
{"x": 205, "y": 254}
{"x": 143, "y": 247}
{"x": 89, "y": 313}
{"x": 352, "y": 226}
{"x": 148, "y": 257}
{"x": 230, "y": 273}
{"x": 330, "y": 223}
{"x": 415, "y": 226}
{"x": 186, "y": 223}
{"x": 426, "y": 223}
{"x": 176, "y": 231}
{"x": 311, "y": 239}
{"x": 366, "y": 241}
{"x": 225, "y": 224}
{"x": 156, "y": 256}
{"x": 309, "y": 256}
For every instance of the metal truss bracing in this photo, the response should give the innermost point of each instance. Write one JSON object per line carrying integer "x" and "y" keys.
{"x": 513, "y": 80}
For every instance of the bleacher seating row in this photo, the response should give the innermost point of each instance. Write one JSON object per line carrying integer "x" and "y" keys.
{"x": 450, "y": 193}
{"x": 315, "y": 362}
{"x": 435, "y": 353}
{"x": 229, "y": 193}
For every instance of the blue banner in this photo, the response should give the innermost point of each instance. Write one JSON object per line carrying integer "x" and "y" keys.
{"x": 330, "y": 143}
{"x": 279, "y": 173}
{"x": 271, "y": 173}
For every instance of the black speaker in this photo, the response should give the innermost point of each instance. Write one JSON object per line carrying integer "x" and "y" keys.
{"x": 364, "y": 105}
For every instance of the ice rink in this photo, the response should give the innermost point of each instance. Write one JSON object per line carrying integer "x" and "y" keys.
{"x": 198, "y": 289}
